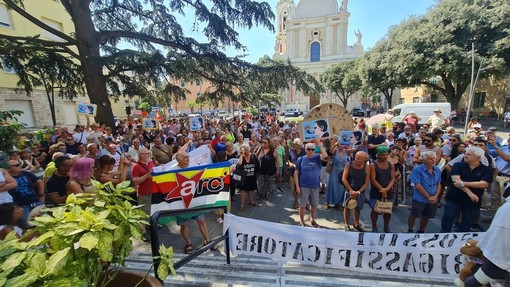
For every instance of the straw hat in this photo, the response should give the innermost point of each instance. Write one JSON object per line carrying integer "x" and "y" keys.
{"x": 351, "y": 203}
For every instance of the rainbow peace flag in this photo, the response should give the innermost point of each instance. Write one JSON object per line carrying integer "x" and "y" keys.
{"x": 198, "y": 186}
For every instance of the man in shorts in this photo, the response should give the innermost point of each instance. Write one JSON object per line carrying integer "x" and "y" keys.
{"x": 307, "y": 180}
{"x": 425, "y": 179}
{"x": 182, "y": 158}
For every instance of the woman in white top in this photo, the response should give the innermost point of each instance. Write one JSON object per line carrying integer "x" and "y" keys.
{"x": 7, "y": 183}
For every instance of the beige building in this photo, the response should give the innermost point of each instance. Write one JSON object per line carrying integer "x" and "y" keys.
{"x": 313, "y": 36}
{"x": 36, "y": 111}
{"x": 490, "y": 95}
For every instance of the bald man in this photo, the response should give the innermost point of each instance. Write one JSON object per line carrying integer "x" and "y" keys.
{"x": 356, "y": 178}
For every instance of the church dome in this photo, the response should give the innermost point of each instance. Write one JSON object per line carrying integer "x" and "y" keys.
{"x": 316, "y": 8}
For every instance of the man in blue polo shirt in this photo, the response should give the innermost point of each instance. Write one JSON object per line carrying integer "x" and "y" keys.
{"x": 425, "y": 179}
{"x": 466, "y": 186}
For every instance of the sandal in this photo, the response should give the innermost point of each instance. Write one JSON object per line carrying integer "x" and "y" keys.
{"x": 314, "y": 224}
{"x": 241, "y": 207}
{"x": 188, "y": 249}
{"x": 252, "y": 204}
{"x": 213, "y": 248}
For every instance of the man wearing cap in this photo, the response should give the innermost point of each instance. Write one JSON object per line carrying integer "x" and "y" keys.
{"x": 307, "y": 180}
{"x": 437, "y": 120}
{"x": 375, "y": 140}
{"x": 425, "y": 179}
{"x": 387, "y": 119}
{"x": 80, "y": 132}
{"x": 382, "y": 177}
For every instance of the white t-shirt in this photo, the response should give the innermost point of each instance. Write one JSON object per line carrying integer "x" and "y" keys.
{"x": 494, "y": 243}
{"x": 5, "y": 197}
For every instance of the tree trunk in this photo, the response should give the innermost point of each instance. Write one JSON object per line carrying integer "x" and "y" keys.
{"x": 91, "y": 61}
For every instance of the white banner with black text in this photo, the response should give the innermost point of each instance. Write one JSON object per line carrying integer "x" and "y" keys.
{"x": 430, "y": 255}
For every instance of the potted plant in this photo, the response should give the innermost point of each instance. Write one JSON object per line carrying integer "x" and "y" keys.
{"x": 81, "y": 244}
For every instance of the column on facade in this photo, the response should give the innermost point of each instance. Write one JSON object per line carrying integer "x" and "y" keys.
{"x": 303, "y": 42}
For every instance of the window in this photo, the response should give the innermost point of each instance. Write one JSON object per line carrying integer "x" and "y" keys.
{"x": 5, "y": 17}
{"x": 315, "y": 52}
{"x": 55, "y": 25}
{"x": 401, "y": 101}
{"x": 416, "y": 99}
{"x": 434, "y": 98}
{"x": 6, "y": 67}
{"x": 479, "y": 100}
{"x": 197, "y": 82}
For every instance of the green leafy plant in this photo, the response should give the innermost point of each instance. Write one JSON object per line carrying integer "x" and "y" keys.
{"x": 9, "y": 129}
{"x": 80, "y": 244}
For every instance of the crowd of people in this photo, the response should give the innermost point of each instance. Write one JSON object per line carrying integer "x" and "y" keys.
{"x": 270, "y": 152}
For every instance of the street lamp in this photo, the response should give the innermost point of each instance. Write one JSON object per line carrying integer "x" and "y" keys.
{"x": 473, "y": 83}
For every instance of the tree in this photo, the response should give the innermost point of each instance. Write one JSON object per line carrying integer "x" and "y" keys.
{"x": 56, "y": 73}
{"x": 378, "y": 71}
{"x": 343, "y": 80}
{"x": 101, "y": 25}
{"x": 439, "y": 44}
{"x": 9, "y": 131}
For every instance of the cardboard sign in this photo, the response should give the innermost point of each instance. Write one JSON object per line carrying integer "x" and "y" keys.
{"x": 310, "y": 130}
{"x": 350, "y": 138}
{"x": 86, "y": 109}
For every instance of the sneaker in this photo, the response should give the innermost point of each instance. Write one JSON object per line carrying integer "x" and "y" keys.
{"x": 280, "y": 189}
{"x": 476, "y": 227}
{"x": 456, "y": 227}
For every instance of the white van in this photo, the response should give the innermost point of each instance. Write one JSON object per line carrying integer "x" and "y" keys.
{"x": 422, "y": 110}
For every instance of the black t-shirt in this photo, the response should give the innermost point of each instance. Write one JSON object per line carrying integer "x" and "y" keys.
{"x": 245, "y": 130}
{"x": 56, "y": 184}
{"x": 374, "y": 140}
{"x": 458, "y": 196}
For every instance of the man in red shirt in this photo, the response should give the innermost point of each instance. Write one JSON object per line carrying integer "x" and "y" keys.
{"x": 142, "y": 179}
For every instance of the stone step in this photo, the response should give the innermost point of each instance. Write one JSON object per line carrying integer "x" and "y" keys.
{"x": 211, "y": 269}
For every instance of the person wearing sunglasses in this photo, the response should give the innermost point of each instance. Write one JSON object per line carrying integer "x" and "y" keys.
{"x": 29, "y": 192}
{"x": 429, "y": 144}
{"x": 307, "y": 180}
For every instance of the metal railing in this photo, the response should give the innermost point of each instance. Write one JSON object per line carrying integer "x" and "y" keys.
{"x": 155, "y": 242}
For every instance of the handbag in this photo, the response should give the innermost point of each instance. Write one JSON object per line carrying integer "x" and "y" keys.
{"x": 329, "y": 166}
{"x": 383, "y": 206}
{"x": 238, "y": 176}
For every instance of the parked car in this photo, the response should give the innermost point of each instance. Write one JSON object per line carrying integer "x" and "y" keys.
{"x": 358, "y": 112}
{"x": 223, "y": 114}
{"x": 292, "y": 112}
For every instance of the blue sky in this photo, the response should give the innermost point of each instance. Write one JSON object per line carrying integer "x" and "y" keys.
{"x": 371, "y": 17}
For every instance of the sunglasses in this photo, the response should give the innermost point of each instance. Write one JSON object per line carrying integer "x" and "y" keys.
{"x": 16, "y": 165}
{"x": 310, "y": 149}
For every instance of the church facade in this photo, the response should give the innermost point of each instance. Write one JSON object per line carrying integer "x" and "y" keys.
{"x": 313, "y": 36}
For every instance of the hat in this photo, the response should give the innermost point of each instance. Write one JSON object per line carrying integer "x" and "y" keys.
{"x": 477, "y": 126}
{"x": 351, "y": 203}
{"x": 390, "y": 110}
{"x": 492, "y": 129}
{"x": 412, "y": 112}
{"x": 382, "y": 149}
{"x": 297, "y": 141}
{"x": 437, "y": 110}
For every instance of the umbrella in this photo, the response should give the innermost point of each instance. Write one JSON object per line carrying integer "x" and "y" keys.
{"x": 377, "y": 119}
